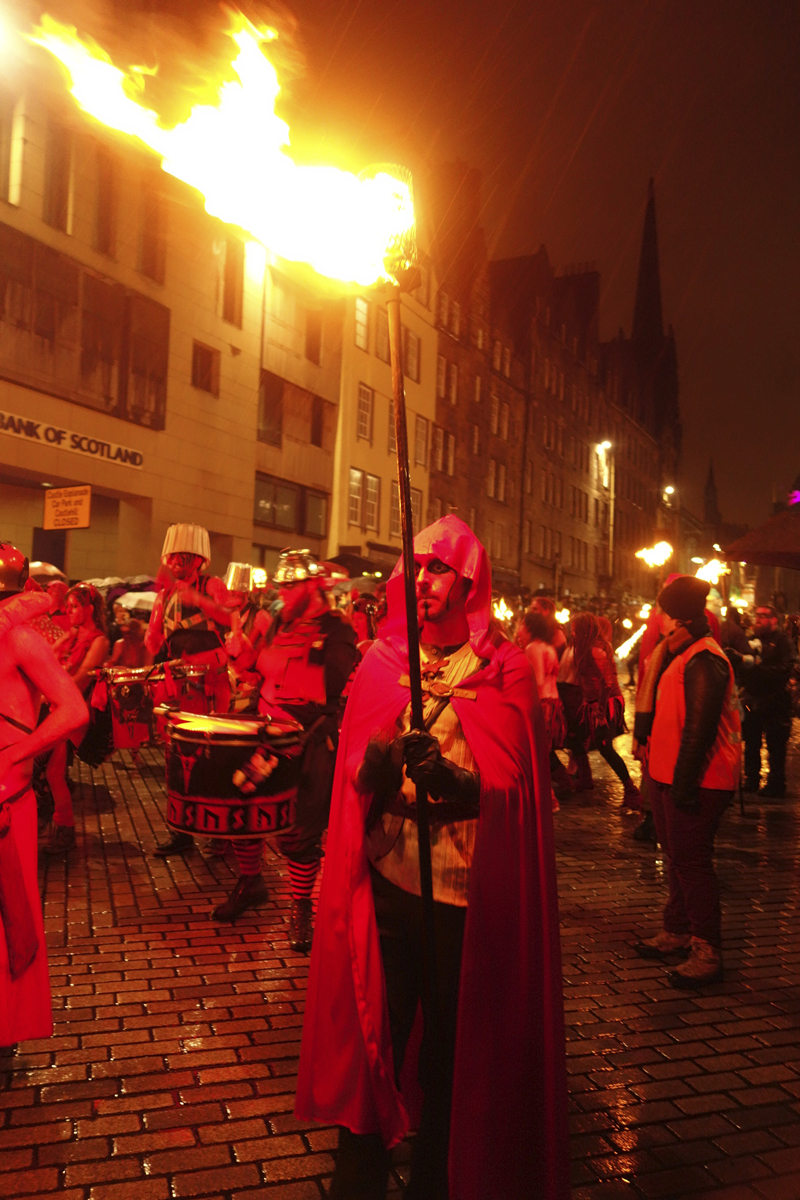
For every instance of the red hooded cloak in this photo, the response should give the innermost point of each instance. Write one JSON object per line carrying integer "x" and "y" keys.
{"x": 509, "y": 1128}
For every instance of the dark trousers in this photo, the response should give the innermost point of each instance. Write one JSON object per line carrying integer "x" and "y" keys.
{"x": 776, "y": 725}
{"x": 303, "y": 844}
{"x": 362, "y": 1165}
{"x": 688, "y": 841}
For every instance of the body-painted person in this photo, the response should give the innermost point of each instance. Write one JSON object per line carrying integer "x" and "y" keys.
{"x": 493, "y": 1119}
{"x": 29, "y": 672}
{"x": 307, "y": 655}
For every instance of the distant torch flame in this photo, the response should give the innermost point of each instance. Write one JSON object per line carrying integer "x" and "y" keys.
{"x": 236, "y": 153}
{"x": 501, "y": 610}
{"x": 656, "y": 555}
{"x": 712, "y": 571}
{"x": 624, "y": 650}
{"x": 562, "y": 616}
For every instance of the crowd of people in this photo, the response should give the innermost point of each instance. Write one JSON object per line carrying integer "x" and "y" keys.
{"x": 511, "y": 717}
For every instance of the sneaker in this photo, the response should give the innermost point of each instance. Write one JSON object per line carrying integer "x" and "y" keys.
{"x": 631, "y": 796}
{"x": 664, "y": 945}
{"x": 250, "y": 891}
{"x": 176, "y": 843}
{"x": 62, "y": 840}
{"x": 702, "y": 968}
{"x": 301, "y": 926}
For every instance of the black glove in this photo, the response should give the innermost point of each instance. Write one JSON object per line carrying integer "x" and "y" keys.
{"x": 380, "y": 775}
{"x": 440, "y": 778}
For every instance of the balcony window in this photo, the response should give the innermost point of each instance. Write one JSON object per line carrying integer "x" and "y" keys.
{"x": 205, "y": 368}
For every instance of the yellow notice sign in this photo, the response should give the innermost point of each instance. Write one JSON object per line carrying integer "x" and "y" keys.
{"x": 68, "y": 508}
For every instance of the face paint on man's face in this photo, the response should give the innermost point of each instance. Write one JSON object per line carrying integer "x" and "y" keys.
{"x": 438, "y": 590}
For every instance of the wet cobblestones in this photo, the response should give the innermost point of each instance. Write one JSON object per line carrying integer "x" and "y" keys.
{"x": 172, "y": 1068}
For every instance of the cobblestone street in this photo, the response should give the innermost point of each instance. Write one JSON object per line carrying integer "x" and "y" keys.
{"x": 172, "y": 1068}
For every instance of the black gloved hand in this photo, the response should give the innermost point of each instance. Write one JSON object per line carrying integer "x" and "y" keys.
{"x": 381, "y": 771}
{"x": 686, "y": 799}
{"x": 442, "y": 779}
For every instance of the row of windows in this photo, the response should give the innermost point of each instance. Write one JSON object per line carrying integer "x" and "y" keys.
{"x": 364, "y": 504}
{"x": 579, "y": 505}
{"x": 448, "y": 317}
{"x": 365, "y": 426}
{"x": 290, "y": 507}
{"x": 566, "y": 445}
{"x": 411, "y": 343}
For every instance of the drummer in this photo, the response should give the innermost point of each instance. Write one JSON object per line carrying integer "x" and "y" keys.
{"x": 308, "y": 655}
{"x": 189, "y": 617}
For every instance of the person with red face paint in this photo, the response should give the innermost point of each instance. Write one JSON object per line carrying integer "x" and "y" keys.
{"x": 80, "y": 651}
{"x": 307, "y": 656}
{"x": 492, "y": 1118}
{"x": 29, "y": 673}
{"x": 189, "y": 618}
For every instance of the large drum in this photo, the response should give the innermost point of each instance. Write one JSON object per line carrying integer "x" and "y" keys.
{"x": 129, "y": 694}
{"x": 231, "y": 777}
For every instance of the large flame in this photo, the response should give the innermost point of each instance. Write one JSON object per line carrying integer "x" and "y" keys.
{"x": 236, "y": 154}
{"x": 656, "y": 556}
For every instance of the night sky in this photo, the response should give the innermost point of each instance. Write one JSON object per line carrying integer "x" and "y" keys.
{"x": 568, "y": 107}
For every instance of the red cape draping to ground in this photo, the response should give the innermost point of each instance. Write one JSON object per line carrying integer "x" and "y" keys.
{"x": 509, "y": 1136}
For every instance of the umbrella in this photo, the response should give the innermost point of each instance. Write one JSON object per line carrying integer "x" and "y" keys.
{"x": 45, "y": 573}
{"x": 137, "y": 600}
{"x": 776, "y": 543}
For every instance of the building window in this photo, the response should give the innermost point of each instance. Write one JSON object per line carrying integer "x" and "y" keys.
{"x": 395, "y": 523}
{"x": 57, "y": 208}
{"x": 560, "y": 440}
{"x": 382, "y": 336}
{"x": 476, "y": 440}
{"x": 452, "y": 383}
{"x": 438, "y": 448}
{"x": 270, "y": 409}
{"x": 276, "y": 503}
{"x": 442, "y": 309}
{"x": 421, "y": 441}
{"x": 441, "y": 376}
{"x": 355, "y": 500}
{"x": 501, "y": 482}
{"x": 316, "y": 518}
{"x": 6, "y": 140}
{"x": 491, "y": 478}
{"x": 471, "y": 520}
{"x": 362, "y": 324}
{"x": 528, "y": 477}
{"x": 526, "y": 537}
{"x": 558, "y": 499}
{"x": 497, "y": 356}
{"x": 504, "y": 421}
{"x": 410, "y": 354}
{"x": 366, "y": 404}
{"x": 317, "y": 420}
{"x": 153, "y": 239}
{"x": 494, "y": 420}
{"x": 372, "y": 502}
{"x": 506, "y": 362}
{"x": 205, "y": 368}
{"x": 314, "y": 335}
{"x": 477, "y": 389}
{"x": 451, "y": 454}
{"x": 233, "y": 281}
{"x": 455, "y": 318}
{"x": 106, "y": 201}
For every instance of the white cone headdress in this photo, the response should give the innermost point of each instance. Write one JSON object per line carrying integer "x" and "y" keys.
{"x": 187, "y": 539}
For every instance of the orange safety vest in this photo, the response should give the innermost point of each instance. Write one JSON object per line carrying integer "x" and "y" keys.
{"x": 723, "y": 766}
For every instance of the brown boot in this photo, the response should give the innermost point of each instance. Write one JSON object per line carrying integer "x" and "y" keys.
{"x": 250, "y": 891}
{"x": 702, "y": 967}
{"x": 62, "y": 840}
{"x": 664, "y": 945}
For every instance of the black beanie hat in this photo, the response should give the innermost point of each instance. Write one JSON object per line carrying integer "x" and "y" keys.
{"x": 684, "y": 598}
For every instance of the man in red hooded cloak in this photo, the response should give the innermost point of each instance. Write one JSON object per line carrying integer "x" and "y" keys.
{"x": 500, "y": 1057}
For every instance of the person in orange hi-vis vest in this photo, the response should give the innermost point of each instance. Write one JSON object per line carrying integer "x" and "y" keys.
{"x": 687, "y": 720}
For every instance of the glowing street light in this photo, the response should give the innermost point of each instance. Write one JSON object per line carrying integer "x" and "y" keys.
{"x": 656, "y": 556}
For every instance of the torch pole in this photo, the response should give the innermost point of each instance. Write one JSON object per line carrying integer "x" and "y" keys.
{"x": 414, "y": 673}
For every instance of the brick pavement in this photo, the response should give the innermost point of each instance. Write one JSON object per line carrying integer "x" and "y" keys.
{"x": 172, "y": 1068}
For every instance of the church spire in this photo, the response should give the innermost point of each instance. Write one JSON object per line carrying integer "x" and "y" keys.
{"x": 648, "y": 322}
{"x": 711, "y": 513}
